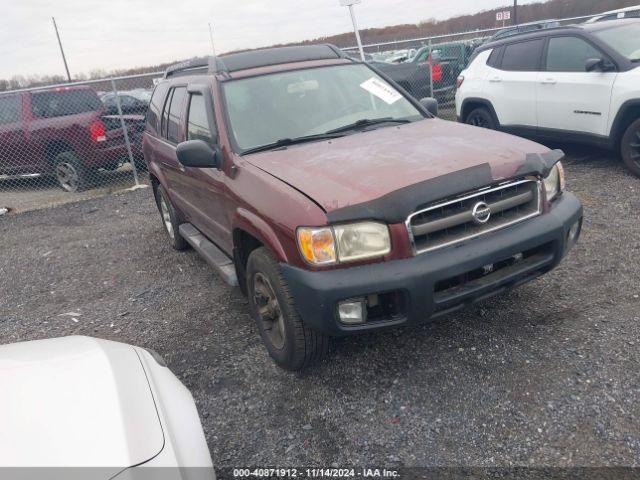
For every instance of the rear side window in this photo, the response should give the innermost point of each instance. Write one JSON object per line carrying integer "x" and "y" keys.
{"x": 198, "y": 124}
{"x": 155, "y": 107}
{"x": 495, "y": 57}
{"x": 569, "y": 54}
{"x": 523, "y": 56}
{"x": 175, "y": 114}
{"x": 63, "y": 103}
{"x": 165, "y": 113}
{"x": 10, "y": 109}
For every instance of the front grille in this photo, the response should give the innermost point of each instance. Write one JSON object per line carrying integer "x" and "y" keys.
{"x": 453, "y": 221}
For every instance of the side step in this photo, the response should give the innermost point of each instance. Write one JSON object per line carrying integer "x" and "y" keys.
{"x": 212, "y": 254}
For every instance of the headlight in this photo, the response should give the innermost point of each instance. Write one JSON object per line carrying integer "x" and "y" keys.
{"x": 344, "y": 243}
{"x": 362, "y": 240}
{"x": 554, "y": 182}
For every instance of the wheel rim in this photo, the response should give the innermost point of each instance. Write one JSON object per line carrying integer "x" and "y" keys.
{"x": 269, "y": 311}
{"x": 67, "y": 176}
{"x": 478, "y": 121}
{"x": 166, "y": 216}
{"x": 634, "y": 147}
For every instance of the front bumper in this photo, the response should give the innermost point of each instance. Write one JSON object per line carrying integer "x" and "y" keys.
{"x": 420, "y": 279}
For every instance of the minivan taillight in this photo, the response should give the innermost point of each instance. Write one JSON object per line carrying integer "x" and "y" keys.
{"x": 459, "y": 81}
{"x": 98, "y": 131}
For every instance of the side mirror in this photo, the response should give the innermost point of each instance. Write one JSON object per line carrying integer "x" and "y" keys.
{"x": 430, "y": 104}
{"x": 197, "y": 154}
{"x": 599, "y": 65}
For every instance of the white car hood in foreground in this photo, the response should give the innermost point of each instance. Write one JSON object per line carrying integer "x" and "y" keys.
{"x": 76, "y": 402}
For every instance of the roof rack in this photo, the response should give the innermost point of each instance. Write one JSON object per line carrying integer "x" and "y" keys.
{"x": 254, "y": 59}
{"x": 211, "y": 65}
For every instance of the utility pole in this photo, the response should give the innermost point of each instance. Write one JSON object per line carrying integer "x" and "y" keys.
{"x": 213, "y": 47}
{"x": 515, "y": 12}
{"x": 350, "y": 4}
{"x": 64, "y": 59}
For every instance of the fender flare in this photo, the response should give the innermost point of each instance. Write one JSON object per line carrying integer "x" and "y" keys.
{"x": 616, "y": 132}
{"x": 156, "y": 172}
{"x": 484, "y": 102}
{"x": 252, "y": 224}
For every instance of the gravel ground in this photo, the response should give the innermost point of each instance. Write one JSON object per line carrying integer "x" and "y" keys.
{"x": 26, "y": 194}
{"x": 546, "y": 375}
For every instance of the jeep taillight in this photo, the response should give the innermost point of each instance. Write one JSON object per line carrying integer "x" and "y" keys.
{"x": 98, "y": 131}
{"x": 459, "y": 81}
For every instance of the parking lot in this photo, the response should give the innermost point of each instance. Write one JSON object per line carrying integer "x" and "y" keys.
{"x": 544, "y": 375}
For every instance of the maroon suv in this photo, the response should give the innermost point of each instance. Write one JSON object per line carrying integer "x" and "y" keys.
{"x": 339, "y": 203}
{"x": 62, "y": 132}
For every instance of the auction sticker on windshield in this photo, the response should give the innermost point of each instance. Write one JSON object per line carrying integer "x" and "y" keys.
{"x": 382, "y": 90}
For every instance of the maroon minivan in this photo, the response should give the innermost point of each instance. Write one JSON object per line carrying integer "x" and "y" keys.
{"x": 338, "y": 203}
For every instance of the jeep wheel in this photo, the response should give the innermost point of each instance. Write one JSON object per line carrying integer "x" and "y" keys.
{"x": 630, "y": 148}
{"x": 170, "y": 220}
{"x": 70, "y": 173}
{"x": 481, "y": 117}
{"x": 291, "y": 344}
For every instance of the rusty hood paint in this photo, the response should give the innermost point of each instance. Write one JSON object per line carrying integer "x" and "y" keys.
{"x": 365, "y": 166}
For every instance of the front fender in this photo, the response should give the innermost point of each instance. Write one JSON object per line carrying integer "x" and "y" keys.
{"x": 254, "y": 225}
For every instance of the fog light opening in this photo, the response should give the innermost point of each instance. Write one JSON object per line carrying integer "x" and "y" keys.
{"x": 352, "y": 311}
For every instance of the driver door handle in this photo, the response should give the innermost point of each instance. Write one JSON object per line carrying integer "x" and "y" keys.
{"x": 549, "y": 81}
{"x": 495, "y": 79}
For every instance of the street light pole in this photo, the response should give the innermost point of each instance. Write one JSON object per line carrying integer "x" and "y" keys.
{"x": 213, "y": 47}
{"x": 64, "y": 59}
{"x": 515, "y": 12}
{"x": 350, "y": 4}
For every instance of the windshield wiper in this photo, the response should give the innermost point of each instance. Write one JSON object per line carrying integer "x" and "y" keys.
{"x": 367, "y": 122}
{"x": 285, "y": 142}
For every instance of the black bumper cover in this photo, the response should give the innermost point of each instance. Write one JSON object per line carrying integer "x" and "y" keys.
{"x": 317, "y": 294}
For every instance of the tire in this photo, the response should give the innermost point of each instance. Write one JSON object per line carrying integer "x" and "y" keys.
{"x": 481, "y": 117}
{"x": 630, "y": 148}
{"x": 70, "y": 172}
{"x": 170, "y": 220}
{"x": 290, "y": 343}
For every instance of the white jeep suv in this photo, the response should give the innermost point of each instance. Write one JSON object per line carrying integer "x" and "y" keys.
{"x": 577, "y": 83}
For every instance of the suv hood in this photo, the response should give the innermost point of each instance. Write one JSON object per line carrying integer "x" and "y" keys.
{"x": 76, "y": 402}
{"x": 365, "y": 166}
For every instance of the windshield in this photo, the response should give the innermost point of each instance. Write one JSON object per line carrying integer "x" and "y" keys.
{"x": 624, "y": 39}
{"x": 290, "y": 105}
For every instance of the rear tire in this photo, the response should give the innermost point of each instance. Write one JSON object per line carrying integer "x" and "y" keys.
{"x": 481, "y": 117}
{"x": 290, "y": 343}
{"x": 170, "y": 220}
{"x": 70, "y": 173}
{"x": 630, "y": 148}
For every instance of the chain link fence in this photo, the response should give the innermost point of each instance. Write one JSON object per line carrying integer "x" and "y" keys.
{"x": 73, "y": 141}
{"x": 430, "y": 66}
{"x": 78, "y": 140}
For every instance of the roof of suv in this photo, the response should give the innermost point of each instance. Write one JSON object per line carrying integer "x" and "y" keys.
{"x": 255, "y": 59}
{"x": 587, "y": 27}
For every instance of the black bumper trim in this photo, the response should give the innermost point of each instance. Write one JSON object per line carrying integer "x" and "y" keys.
{"x": 316, "y": 294}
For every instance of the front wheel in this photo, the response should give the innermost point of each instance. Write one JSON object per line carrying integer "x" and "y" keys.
{"x": 481, "y": 117}
{"x": 630, "y": 148}
{"x": 291, "y": 344}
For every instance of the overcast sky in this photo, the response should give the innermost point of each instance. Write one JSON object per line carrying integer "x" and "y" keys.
{"x": 110, "y": 34}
